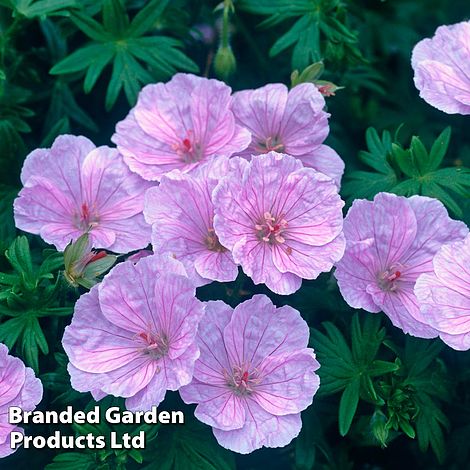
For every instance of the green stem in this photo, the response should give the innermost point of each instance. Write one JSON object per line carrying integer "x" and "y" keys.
{"x": 225, "y": 24}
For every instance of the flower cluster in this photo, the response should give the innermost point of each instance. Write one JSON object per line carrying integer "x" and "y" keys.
{"x": 215, "y": 182}
{"x": 18, "y": 387}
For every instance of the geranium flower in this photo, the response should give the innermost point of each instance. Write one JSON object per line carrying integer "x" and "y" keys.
{"x": 75, "y": 188}
{"x": 181, "y": 212}
{"x": 442, "y": 68}
{"x": 133, "y": 335}
{"x": 18, "y": 387}
{"x": 255, "y": 374}
{"x": 282, "y": 221}
{"x": 291, "y": 122}
{"x": 444, "y": 294}
{"x": 178, "y": 125}
{"x": 389, "y": 242}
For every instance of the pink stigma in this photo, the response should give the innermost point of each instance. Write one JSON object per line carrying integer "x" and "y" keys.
{"x": 189, "y": 150}
{"x": 270, "y": 229}
{"x": 87, "y": 218}
{"x": 241, "y": 381}
{"x": 388, "y": 279}
{"x": 156, "y": 345}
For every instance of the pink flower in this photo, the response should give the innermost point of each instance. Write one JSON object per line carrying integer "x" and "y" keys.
{"x": 283, "y": 222}
{"x": 178, "y": 125}
{"x": 18, "y": 387}
{"x": 389, "y": 242}
{"x": 255, "y": 374}
{"x": 444, "y": 294}
{"x": 74, "y": 188}
{"x": 133, "y": 336}
{"x": 291, "y": 122}
{"x": 181, "y": 212}
{"x": 442, "y": 68}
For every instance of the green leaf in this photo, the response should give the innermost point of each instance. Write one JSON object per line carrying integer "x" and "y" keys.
{"x": 348, "y": 406}
{"x": 116, "y": 82}
{"x": 419, "y": 155}
{"x": 43, "y": 8}
{"x": 19, "y": 257}
{"x": 62, "y": 126}
{"x": 319, "y": 29}
{"x": 379, "y": 367}
{"x": 365, "y": 184}
{"x": 90, "y": 27}
{"x": 429, "y": 425}
{"x": 407, "y": 188}
{"x": 136, "y": 60}
{"x": 81, "y": 59}
{"x": 115, "y": 19}
{"x": 72, "y": 461}
{"x": 432, "y": 189}
{"x": 97, "y": 65}
{"x": 409, "y": 171}
{"x": 7, "y": 223}
{"x": 147, "y": 17}
{"x": 291, "y": 37}
{"x": 190, "y": 446}
{"x": 438, "y": 150}
{"x": 405, "y": 160}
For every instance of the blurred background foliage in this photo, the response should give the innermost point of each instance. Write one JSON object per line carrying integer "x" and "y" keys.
{"x": 67, "y": 66}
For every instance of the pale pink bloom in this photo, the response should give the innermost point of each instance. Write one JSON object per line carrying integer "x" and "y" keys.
{"x": 282, "y": 221}
{"x": 181, "y": 213}
{"x": 390, "y": 242}
{"x": 292, "y": 122}
{"x": 178, "y": 125}
{"x": 444, "y": 294}
{"x": 442, "y": 68}
{"x": 73, "y": 188}
{"x": 133, "y": 335}
{"x": 18, "y": 387}
{"x": 255, "y": 374}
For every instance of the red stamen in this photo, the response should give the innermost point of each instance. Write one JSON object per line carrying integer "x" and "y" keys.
{"x": 144, "y": 336}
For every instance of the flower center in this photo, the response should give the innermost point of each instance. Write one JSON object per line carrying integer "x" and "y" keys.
{"x": 272, "y": 143}
{"x": 241, "y": 381}
{"x": 212, "y": 242}
{"x": 156, "y": 345}
{"x": 87, "y": 218}
{"x": 188, "y": 149}
{"x": 389, "y": 279}
{"x": 270, "y": 229}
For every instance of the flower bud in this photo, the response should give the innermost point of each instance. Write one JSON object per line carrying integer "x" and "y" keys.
{"x": 224, "y": 62}
{"x": 83, "y": 265}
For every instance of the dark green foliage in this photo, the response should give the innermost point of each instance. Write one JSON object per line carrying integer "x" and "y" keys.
{"x": 408, "y": 171}
{"x": 28, "y": 293}
{"x": 136, "y": 59}
{"x": 319, "y": 30}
